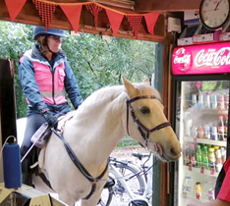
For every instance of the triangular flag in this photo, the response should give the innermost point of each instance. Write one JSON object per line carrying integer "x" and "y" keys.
{"x": 135, "y": 23}
{"x": 151, "y": 19}
{"x": 45, "y": 11}
{"x": 73, "y": 13}
{"x": 115, "y": 20}
{"x": 14, "y": 7}
{"x": 94, "y": 10}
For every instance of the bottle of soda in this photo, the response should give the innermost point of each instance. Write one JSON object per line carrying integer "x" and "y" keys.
{"x": 193, "y": 156}
{"x": 211, "y": 193}
{"x": 200, "y": 132}
{"x": 223, "y": 154}
{"x": 187, "y": 155}
{"x": 187, "y": 186}
{"x": 205, "y": 157}
{"x": 221, "y": 103}
{"x": 212, "y": 158}
{"x": 199, "y": 156}
{"x": 198, "y": 190}
{"x": 221, "y": 128}
{"x": 218, "y": 161}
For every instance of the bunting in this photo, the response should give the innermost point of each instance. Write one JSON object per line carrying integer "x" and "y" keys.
{"x": 72, "y": 11}
{"x": 94, "y": 10}
{"x": 135, "y": 23}
{"x": 14, "y": 7}
{"x": 151, "y": 19}
{"x": 45, "y": 11}
{"x": 115, "y": 20}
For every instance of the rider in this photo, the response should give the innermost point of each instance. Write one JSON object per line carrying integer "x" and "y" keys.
{"x": 44, "y": 74}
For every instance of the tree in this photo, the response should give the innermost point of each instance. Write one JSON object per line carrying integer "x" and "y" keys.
{"x": 96, "y": 62}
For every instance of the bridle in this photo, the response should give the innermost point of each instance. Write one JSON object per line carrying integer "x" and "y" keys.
{"x": 144, "y": 131}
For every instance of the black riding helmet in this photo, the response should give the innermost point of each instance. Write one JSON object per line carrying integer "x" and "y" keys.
{"x": 40, "y": 30}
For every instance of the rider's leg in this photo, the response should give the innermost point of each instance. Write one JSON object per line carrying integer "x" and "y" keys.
{"x": 33, "y": 123}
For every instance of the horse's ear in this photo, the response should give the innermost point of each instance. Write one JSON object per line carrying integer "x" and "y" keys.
{"x": 130, "y": 89}
{"x": 147, "y": 81}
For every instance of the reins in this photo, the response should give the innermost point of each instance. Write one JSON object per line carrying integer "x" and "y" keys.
{"x": 144, "y": 131}
{"x": 78, "y": 164}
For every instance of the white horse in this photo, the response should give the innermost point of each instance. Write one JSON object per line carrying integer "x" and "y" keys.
{"x": 96, "y": 128}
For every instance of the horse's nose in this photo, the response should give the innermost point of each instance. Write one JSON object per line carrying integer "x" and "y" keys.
{"x": 175, "y": 152}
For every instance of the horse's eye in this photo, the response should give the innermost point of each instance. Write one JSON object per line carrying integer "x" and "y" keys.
{"x": 145, "y": 110}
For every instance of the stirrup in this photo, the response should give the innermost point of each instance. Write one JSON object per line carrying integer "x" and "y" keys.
{"x": 109, "y": 183}
{"x": 34, "y": 165}
{"x": 138, "y": 202}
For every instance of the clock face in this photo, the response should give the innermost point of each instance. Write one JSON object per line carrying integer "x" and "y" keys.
{"x": 214, "y": 13}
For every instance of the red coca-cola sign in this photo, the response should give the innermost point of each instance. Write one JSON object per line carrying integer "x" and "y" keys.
{"x": 201, "y": 59}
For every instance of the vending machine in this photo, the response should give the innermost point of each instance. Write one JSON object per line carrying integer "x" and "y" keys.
{"x": 201, "y": 82}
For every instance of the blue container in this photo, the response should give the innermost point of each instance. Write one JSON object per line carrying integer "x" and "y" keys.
{"x": 12, "y": 166}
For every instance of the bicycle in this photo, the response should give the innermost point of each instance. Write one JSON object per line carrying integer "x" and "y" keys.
{"x": 133, "y": 183}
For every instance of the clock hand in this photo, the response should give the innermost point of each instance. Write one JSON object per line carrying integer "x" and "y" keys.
{"x": 217, "y": 5}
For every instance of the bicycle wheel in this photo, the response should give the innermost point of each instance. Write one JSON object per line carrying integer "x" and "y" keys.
{"x": 106, "y": 196}
{"x": 135, "y": 182}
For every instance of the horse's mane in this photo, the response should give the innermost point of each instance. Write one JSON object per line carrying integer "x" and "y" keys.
{"x": 104, "y": 95}
{"x": 109, "y": 93}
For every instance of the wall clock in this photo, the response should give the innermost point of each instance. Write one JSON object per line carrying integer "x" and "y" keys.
{"x": 214, "y": 13}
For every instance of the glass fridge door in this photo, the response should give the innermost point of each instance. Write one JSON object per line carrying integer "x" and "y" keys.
{"x": 201, "y": 124}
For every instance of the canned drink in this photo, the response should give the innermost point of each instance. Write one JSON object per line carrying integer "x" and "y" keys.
{"x": 214, "y": 134}
{"x": 214, "y": 101}
{"x": 207, "y": 103}
{"x": 201, "y": 100}
{"x": 194, "y": 99}
{"x": 207, "y": 132}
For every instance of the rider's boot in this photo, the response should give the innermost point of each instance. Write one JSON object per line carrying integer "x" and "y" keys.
{"x": 26, "y": 172}
{"x": 27, "y": 179}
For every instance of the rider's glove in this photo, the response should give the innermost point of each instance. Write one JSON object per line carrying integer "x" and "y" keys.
{"x": 50, "y": 118}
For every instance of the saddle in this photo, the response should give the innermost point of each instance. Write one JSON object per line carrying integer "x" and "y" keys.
{"x": 40, "y": 139}
{"x": 42, "y": 135}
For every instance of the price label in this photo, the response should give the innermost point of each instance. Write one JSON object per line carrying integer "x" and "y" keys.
{"x": 212, "y": 172}
{"x": 202, "y": 170}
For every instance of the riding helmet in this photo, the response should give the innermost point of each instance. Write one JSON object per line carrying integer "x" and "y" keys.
{"x": 40, "y": 30}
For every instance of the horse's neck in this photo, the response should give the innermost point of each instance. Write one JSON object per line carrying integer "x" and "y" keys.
{"x": 97, "y": 131}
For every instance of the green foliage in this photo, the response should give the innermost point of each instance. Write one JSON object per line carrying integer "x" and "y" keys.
{"x": 96, "y": 62}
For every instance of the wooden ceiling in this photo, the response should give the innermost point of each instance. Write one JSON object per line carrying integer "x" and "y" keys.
{"x": 29, "y": 15}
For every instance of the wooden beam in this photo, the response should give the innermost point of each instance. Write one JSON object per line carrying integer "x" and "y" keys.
{"x": 29, "y": 15}
{"x": 166, "y": 5}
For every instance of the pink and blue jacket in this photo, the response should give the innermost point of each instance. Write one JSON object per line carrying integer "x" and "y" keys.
{"x": 45, "y": 83}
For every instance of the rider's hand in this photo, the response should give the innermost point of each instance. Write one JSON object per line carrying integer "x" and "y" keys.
{"x": 50, "y": 118}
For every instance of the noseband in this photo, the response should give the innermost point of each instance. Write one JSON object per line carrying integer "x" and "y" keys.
{"x": 145, "y": 132}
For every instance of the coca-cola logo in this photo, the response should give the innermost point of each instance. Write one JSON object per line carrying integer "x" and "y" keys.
{"x": 182, "y": 59}
{"x": 213, "y": 57}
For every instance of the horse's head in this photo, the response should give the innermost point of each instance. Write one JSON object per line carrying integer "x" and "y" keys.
{"x": 151, "y": 127}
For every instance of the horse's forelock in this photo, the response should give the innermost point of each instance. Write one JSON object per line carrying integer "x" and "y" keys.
{"x": 145, "y": 89}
